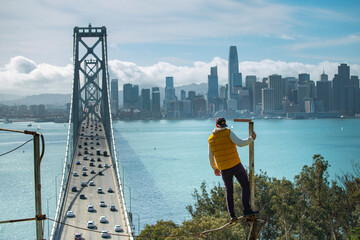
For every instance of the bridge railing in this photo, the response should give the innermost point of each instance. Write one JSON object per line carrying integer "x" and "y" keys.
{"x": 115, "y": 162}
{"x": 65, "y": 176}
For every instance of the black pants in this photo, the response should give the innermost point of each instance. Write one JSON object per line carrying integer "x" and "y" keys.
{"x": 228, "y": 177}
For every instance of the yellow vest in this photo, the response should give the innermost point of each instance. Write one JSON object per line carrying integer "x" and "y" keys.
{"x": 224, "y": 149}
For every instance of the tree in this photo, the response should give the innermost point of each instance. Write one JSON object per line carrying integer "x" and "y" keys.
{"x": 310, "y": 207}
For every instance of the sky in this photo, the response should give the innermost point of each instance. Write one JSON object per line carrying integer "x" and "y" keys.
{"x": 149, "y": 40}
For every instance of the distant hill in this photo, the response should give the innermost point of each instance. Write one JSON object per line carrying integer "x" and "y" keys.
{"x": 62, "y": 99}
{"x": 47, "y": 99}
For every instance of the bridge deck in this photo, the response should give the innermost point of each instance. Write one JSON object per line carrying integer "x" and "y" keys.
{"x": 92, "y": 135}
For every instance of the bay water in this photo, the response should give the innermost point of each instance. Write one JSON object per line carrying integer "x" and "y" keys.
{"x": 163, "y": 161}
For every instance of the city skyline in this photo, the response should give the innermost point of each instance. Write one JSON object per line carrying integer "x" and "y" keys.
{"x": 150, "y": 41}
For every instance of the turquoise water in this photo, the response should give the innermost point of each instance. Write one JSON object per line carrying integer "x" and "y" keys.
{"x": 164, "y": 161}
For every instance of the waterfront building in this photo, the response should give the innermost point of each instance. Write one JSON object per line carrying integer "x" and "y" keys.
{"x": 303, "y": 92}
{"x": 155, "y": 105}
{"x": 182, "y": 95}
{"x": 114, "y": 97}
{"x": 257, "y": 96}
{"x": 131, "y": 96}
{"x": 233, "y": 72}
{"x": 169, "y": 92}
{"x": 275, "y": 82}
{"x": 213, "y": 85}
{"x": 323, "y": 93}
{"x": 145, "y": 99}
{"x": 304, "y": 78}
{"x": 268, "y": 100}
{"x": 340, "y": 82}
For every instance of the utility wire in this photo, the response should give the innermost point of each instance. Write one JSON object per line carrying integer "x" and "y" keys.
{"x": 16, "y": 148}
{"x": 197, "y": 235}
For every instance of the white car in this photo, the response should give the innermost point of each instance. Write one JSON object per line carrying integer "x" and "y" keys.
{"x": 91, "y": 208}
{"x": 103, "y": 219}
{"x": 99, "y": 190}
{"x": 90, "y": 224}
{"x": 105, "y": 234}
{"x": 70, "y": 214}
{"x": 102, "y": 204}
{"x": 117, "y": 228}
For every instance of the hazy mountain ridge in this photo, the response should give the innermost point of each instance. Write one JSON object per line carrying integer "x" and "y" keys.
{"x": 62, "y": 99}
{"x": 47, "y": 99}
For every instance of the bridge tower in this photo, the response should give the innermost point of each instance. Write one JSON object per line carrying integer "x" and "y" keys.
{"x": 91, "y": 78}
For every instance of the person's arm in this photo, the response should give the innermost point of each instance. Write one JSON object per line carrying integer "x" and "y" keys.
{"x": 241, "y": 142}
{"x": 212, "y": 162}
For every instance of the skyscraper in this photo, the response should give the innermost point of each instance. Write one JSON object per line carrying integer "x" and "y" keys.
{"x": 233, "y": 71}
{"x": 155, "y": 106}
{"x": 340, "y": 81}
{"x": 169, "y": 92}
{"x": 213, "y": 85}
{"x": 131, "y": 95}
{"x": 304, "y": 78}
{"x": 145, "y": 99}
{"x": 114, "y": 97}
{"x": 275, "y": 82}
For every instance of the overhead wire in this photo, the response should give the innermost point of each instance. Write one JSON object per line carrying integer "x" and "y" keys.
{"x": 3, "y": 154}
{"x": 197, "y": 235}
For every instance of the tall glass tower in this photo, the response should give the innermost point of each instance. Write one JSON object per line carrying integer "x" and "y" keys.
{"x": 234, "y": 77}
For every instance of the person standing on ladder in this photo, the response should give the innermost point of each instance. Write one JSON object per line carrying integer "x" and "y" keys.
{"x": 224, "y": 160}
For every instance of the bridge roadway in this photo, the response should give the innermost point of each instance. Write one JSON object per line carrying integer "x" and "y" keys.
{"x": 92, "y": 137}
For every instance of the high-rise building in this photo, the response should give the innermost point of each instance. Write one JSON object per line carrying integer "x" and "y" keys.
{"x": 340, "y": 81}
{"x": 324, "y": 77}
{"x": 304, "y": 78}
{"x": 213, "y": 85}
{"x": 323, "y": 93}
{"x": 169, "y": 92}
{"x": 114, "y": 97}
{"x": 131, "y": 96}
{"x": 155, "y": 106}
{"x": 233, "y": 71}
{"x": 182, "y": 95}
{"x": 268, "y": 100}
{"x": 257, "y": 96}
{"x": 145, "y": 99}
{"x": 249, "y": 82}
{"x": 275, "y": 82}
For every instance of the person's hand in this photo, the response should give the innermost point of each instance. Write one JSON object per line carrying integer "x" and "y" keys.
{"x": 254, "y": 135}
{"x": 217, "y": 172}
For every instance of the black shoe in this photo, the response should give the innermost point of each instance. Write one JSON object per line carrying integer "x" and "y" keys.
{"x": 250, "y": 212}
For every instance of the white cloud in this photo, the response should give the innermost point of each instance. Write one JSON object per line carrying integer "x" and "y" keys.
{"x": 22, "y": 76}
{"x": 351, "y": 39}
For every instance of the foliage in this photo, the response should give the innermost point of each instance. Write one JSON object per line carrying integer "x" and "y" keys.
{"x": 310, "y": 207}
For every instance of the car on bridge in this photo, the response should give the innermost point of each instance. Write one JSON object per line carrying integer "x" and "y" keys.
{"x": 91, "y": 208}
{"x": 112, "y": 208}
{"x": 90, "y": 224}
{"x": 118, "y": 228}
{"x": 102, "y": 219}
{"x": 78, "y": 236}
{"x": 91, "y": 183}
{"x": 73, "y": 189}
{"x": 75, "y": 174}
{"x": 99, "y": 190}
{"x": 70, "y": 214}
{"x": 82, "y": 196}
{"x": 102, "y": 204}
{"x": 83, "y": 184}
{"x": 105, "y": 234}
{"x": 110, "y": 190}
